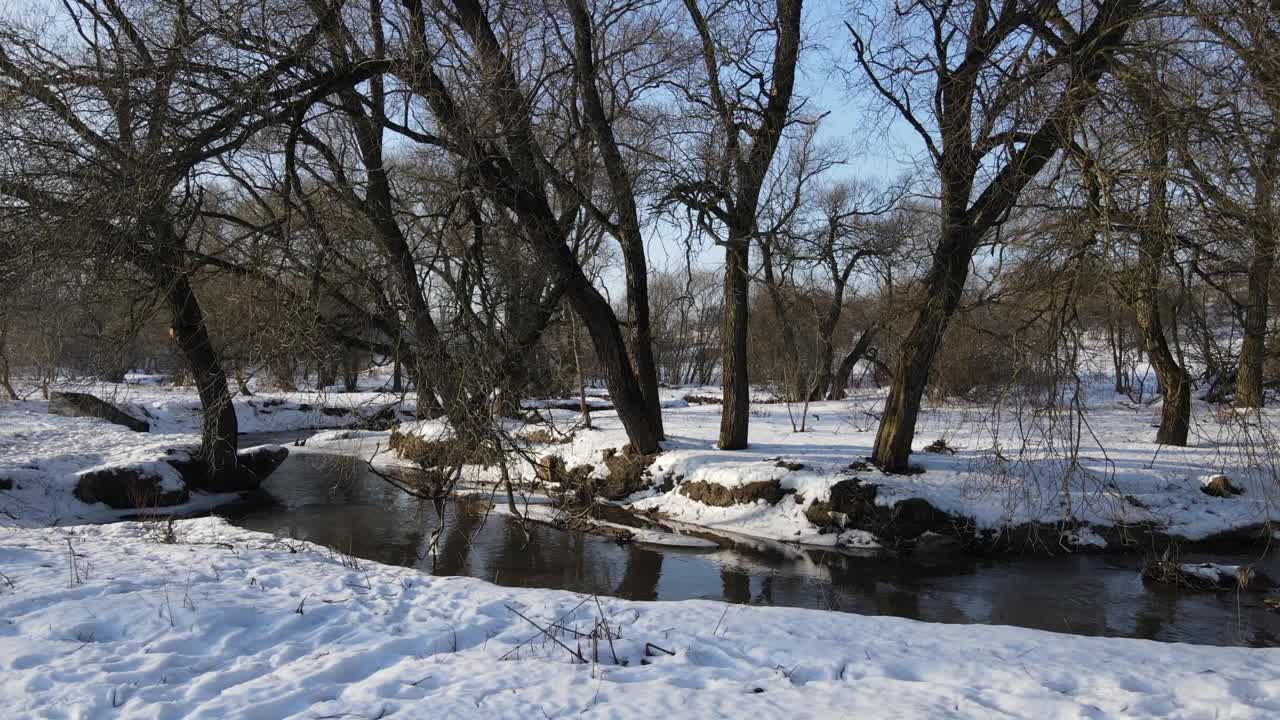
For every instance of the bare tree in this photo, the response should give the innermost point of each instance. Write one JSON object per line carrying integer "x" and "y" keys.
{"x": 749, "y": 82}
{"x": 993, "y": 89}
{"x": 1231, "y": 155}
{"x": 116, "y": 123}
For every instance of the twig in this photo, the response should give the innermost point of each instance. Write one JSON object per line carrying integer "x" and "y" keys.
{"x": 553, "y": 638}
{"x": 531, "y": 639}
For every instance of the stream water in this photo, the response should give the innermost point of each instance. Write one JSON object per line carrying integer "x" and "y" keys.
{"x": 335, "y": 501}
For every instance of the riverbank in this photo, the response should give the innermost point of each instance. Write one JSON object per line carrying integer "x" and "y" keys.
{"x": 1005, "y": 481}
{"x": 1034, "y": 482}
{"x": 200, "y": 619}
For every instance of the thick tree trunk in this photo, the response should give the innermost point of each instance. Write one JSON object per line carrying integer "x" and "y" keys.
{"x": 628, "y": 226}
{"x": 944, "y": 286}
{"x": 610, "y": 346}
{"x": 1153, "y": 247}
{"x": 736, "y": 408}
{"x": 1175, "y": 384}
{"x": 1175, "y": 414}
{"x": 840, "y": 380}
{"x": 1115, "y": 338}
{"x": 1249, "y": 382}
{"x": 822, "y": 384}
{"x": 641, "y": 334}
{"x": 583, "y": 407}
{"x": 218, "y": 427}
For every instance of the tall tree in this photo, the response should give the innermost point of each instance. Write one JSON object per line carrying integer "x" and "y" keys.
{"x": 1232, "y": 157}
{"x": 974, "y": 80}
{"x": 507, "y": 162}
{"x": 747, "y": 93}
{"x": 599, "y": 118}
{"x": 113, "y": 126}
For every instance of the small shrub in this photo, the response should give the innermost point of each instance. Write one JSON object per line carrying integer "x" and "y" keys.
{"x": 449, "y": 452}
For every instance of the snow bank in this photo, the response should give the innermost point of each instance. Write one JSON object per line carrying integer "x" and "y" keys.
{"x": 1012, "y": 468}
{"x": 228, "y": 623}
{"x": 42, "y": 456}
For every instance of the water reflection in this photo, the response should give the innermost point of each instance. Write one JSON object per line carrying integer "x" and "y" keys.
{"x": 334, "y": 502}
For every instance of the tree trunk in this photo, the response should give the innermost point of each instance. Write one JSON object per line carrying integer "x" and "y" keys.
{"x": 1175, "y": 383}
{"x": 350, "y": 369}
{"x": 584, "y": 408}
{"x": 840, "y": 381}
{"x": 218, "y": 427}
{"x": 642, "y": 339}
{"x": 5, "y": 382}
{"x": 736, "y": 408}
{"x": 1115, "y": 337}
{"x": 1153, "y": 247}
{"x": 944, "y": 286}
{"x": 611, "y": 350}
{"x": 822, "y": 384}
{"x": 628, "y": 226}
{"x": 326, "y": 375}
{"x": 1249, "y": 382}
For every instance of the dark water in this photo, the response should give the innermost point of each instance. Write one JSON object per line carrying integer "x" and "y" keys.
{"x": 335, "y": 502}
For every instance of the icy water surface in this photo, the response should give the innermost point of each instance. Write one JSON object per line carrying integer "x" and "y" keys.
{"x": 334, "y": 501}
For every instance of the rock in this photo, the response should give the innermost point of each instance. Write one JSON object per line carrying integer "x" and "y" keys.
{"x": 819, "y": 513}
{"x": 849, "y": 503}
{"x": 931, "y": 543}
{"x": 717, "y": 495}
{"x": 940, "y": 447}
{"x": 6, "y": 484}
{"x": 703, "y": 400}
{"x": 261, "y": 461}
{"x": 792, "y": 466}
{"x": 127, "y": 488}
{"x": 1219, "y": 486}
{"x": 552, "y": 469}
{"x": 573, "y": 489}
{"x": 71, "y": 404}
{"x": 915, "y": 516}
{"x": 252, "y": 467}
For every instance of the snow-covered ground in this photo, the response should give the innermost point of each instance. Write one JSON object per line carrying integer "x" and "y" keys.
{"x": 1096, "y": 470}
{"x": 115, "y": 622}
{"x": 43, "y": 455}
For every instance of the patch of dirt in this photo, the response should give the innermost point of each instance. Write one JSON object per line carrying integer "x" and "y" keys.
{"x": 851, "y": 504}
{"x": 626, "y": 473}
{"x": 1221, "y": 486}
{"x": 703, "y": 400}
{"x": 542, "y": 436}
{"x": 717, "y": 495}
